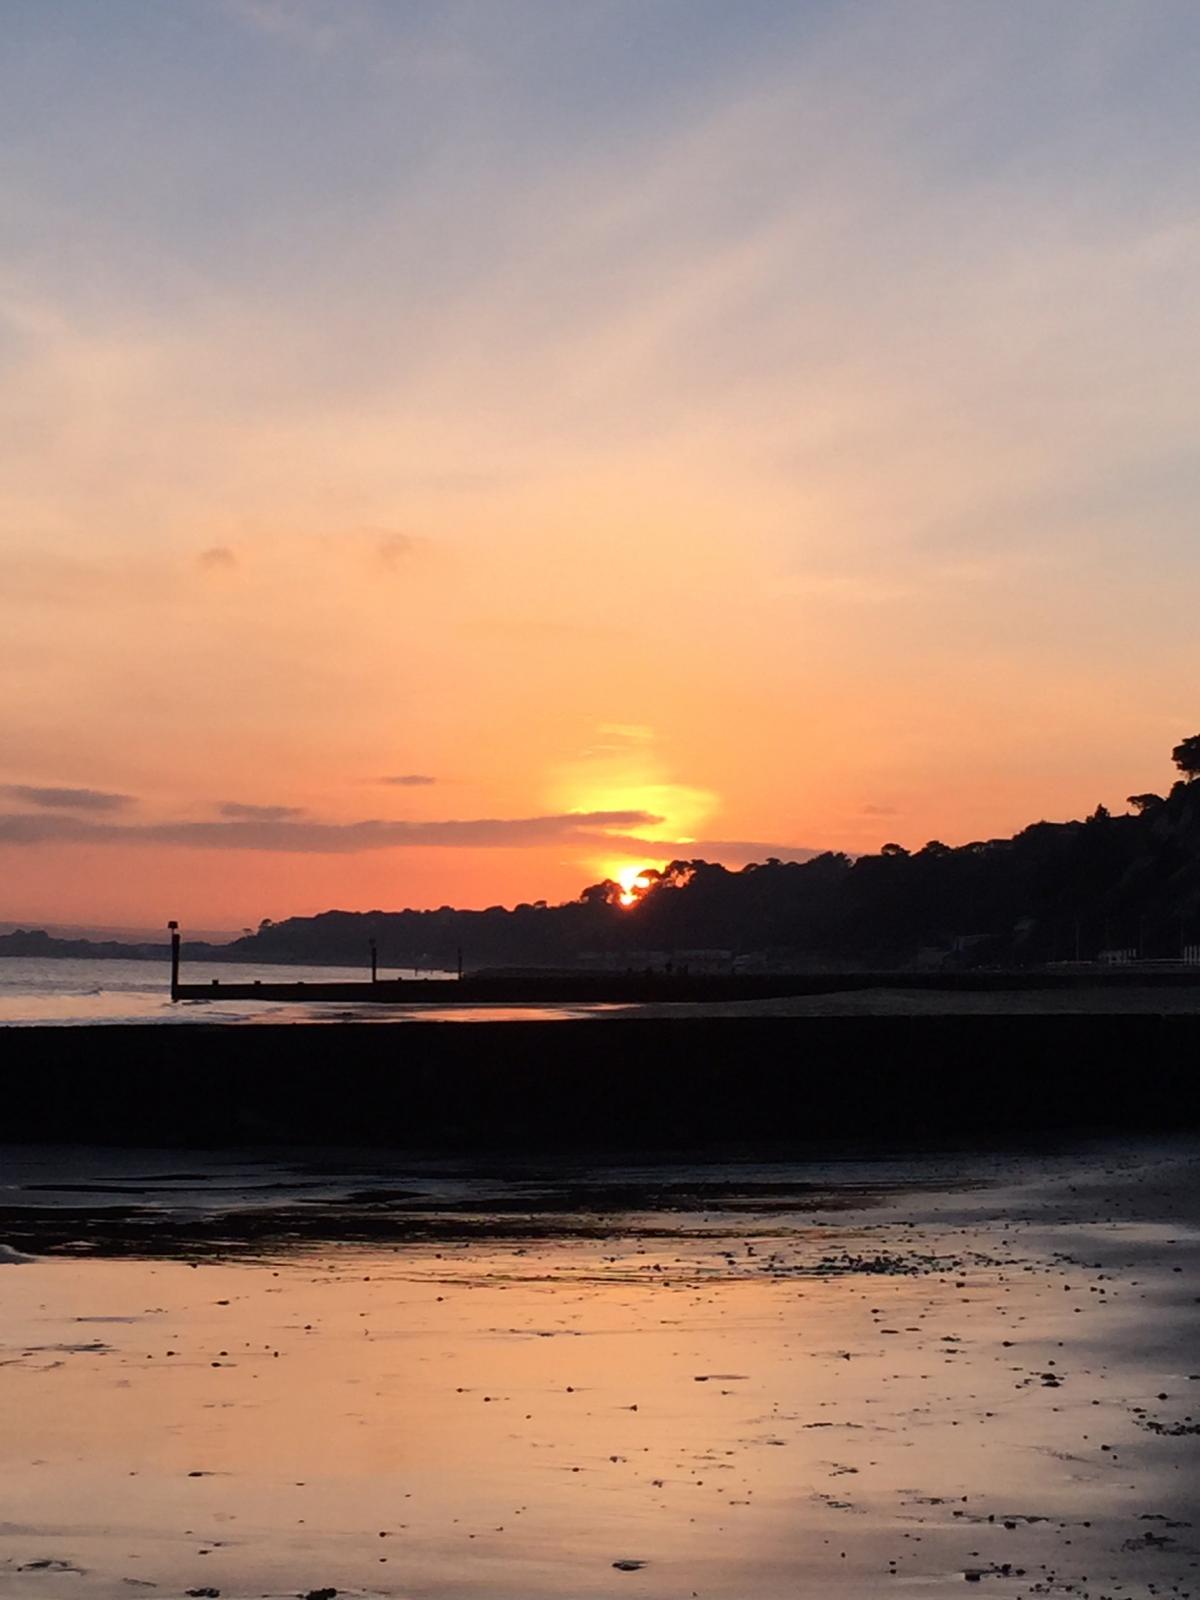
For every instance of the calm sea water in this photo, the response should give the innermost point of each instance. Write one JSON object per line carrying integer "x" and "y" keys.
{"x": 38, "y": 991}
{"x": 70, "y": 992}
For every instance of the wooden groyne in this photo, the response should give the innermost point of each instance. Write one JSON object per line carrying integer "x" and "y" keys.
{"x": 754, "y": 1083}
{"x": 635, "y": 988}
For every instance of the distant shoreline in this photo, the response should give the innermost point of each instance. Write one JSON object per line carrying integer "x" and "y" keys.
{"x": 32, "y": 945}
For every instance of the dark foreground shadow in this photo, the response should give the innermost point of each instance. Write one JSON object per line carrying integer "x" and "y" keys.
{"x": 707, "y": 1084}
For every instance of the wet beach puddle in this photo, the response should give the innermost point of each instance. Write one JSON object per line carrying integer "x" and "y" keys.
{"x": 919, "y": 1390}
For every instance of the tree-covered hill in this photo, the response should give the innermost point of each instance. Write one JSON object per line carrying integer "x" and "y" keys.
{"x": 1054, "y": 892}
{"x": 1057, "y": 891}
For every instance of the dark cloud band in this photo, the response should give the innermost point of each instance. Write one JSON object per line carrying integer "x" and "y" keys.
{"x": 237, "y": 812}
{"x": 61, "y": 799}
{"x": 325, "y": 838}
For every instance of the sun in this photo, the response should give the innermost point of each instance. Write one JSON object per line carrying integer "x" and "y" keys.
{"x": 634, "y": 883}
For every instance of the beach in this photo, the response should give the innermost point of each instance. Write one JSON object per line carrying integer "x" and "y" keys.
{"x": 695, "y": 1378}
{"x": 827, "y": 1295}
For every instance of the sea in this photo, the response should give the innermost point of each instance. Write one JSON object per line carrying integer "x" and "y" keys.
{"x": 73, "y": 992}
{"x": 77, "y": 992}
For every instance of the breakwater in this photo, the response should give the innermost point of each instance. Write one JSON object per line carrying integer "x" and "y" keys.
{"x": 678, "y": 1084}
{"x": 534, "y": 987}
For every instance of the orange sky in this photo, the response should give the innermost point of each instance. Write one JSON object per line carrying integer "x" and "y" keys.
{"x": 789, "y": 438}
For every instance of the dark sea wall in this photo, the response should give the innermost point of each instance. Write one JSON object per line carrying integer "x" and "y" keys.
{"x": 766, "y": 1084}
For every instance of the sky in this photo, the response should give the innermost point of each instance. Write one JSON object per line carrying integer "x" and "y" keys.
{"x": 452, "y": 453}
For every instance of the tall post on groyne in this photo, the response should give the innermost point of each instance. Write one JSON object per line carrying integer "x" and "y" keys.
{"x": 174, "y": 927}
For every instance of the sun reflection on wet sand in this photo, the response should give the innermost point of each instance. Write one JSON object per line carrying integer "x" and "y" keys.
{"x": 792, "y": 1410}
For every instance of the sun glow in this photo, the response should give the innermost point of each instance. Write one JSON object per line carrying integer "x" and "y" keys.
{"x": 634, "y": 881}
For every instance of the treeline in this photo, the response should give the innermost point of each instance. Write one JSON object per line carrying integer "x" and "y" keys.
{"x": 36, "y": 944}
{"x": 1054, "y": 892}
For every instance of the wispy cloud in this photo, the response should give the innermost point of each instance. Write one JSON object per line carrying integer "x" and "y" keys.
{"x": 395, "y": 548}
{"x": 308, "y": 25}
{"x": 62, "y": 799}
{"x": 619, "y": 738}
{"x": 730, "y": 852}
{"x": 409, "y": 780}
{"x": 587, "y": 828}
{"x": 219, "y": 558}
{"x": 237, "y": 812}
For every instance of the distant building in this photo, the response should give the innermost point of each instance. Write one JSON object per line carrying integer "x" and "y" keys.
{"x": 624, "y": 960}
{"x": 705, "y": 960}
{"x": 691, "y": 961}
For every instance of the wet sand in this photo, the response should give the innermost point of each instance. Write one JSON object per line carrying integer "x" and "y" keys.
{"x": 831, "y": 1379}
{"x": 1112, "y": 999}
